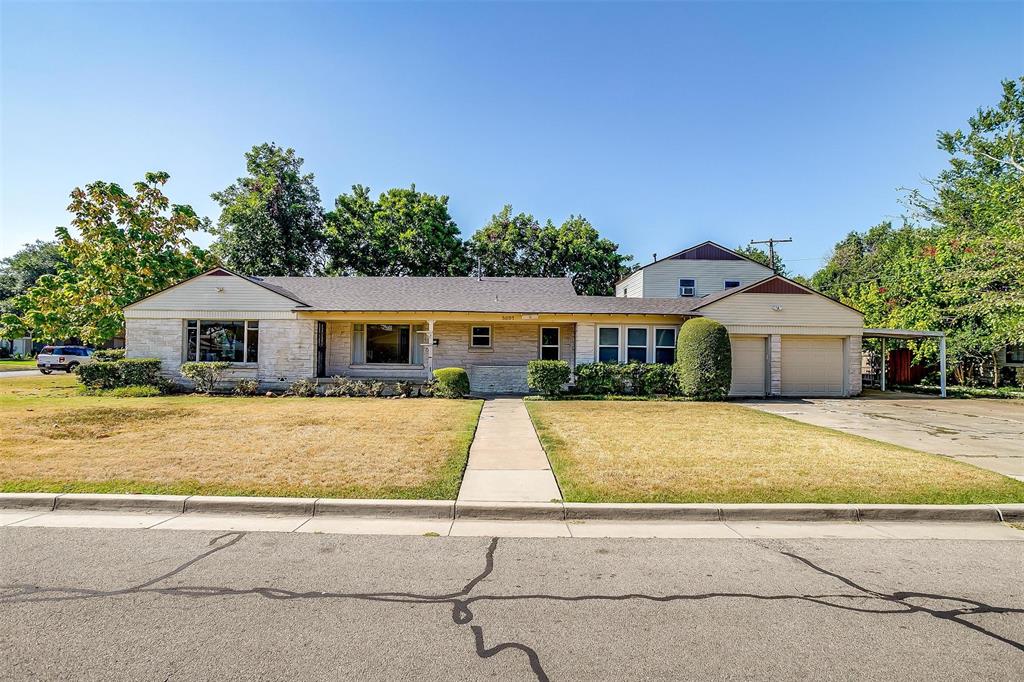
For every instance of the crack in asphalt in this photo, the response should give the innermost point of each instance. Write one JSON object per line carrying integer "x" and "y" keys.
{"x": 461, "y": 601}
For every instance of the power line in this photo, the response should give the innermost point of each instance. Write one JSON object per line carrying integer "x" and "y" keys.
{"x": 771, "y": 242}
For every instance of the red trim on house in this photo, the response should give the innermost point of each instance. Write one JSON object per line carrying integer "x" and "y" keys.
{"x": 706, "y": 251}
{"x": 219, "y": 272}
{"x": 776, "y": 285}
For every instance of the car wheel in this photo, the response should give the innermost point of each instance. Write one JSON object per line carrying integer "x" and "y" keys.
{"x": 71, "y": 367}
{"x": 46, "y": 371}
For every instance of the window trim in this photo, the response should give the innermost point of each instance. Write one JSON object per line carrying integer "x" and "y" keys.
{"x": 692, "y": 286}
{"x": 647, "y": 340}
{"x": 675, "y": 337}
{"x": 617, "y": 346}
{"x": 473, "y": 336}
{"x": 557, "y": 345}
{"x": 366, "y": 338}
{"x": 245, "y": 340}
{"x": 735, "y": 284}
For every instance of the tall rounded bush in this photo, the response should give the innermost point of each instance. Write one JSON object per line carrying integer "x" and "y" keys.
{"x": 704, "y": 359}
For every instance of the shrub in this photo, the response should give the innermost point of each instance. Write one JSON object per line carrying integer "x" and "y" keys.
{"x": 135, "y": 392}
{"x": 547, "y": 376}
{"x": 247, "y": 387}
{"x": 120, "y": 373}
{"x": 341, "y": 387}
{"x": 109, "y": 354}
{"x": 205, "y": 375}
{"x": 450, "y": 382}
{"x": 704, "y": 359}
{"x": 405, "y": 389}
{"x": 601, "y": 378}
{"x": 303, "y": 388}
{"x": 651, "y": 379}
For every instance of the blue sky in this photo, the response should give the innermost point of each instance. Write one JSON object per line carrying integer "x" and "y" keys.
{"x": 664, "y": 124}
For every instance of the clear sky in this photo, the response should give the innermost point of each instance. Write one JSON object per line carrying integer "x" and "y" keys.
{"x": 664, "y": 124}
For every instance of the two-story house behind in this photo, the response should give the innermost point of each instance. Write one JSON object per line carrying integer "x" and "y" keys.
{"x": 787, "y": 339}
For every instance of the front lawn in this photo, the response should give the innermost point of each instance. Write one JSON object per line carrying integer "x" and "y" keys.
{"x": 9, "y": 365}
{"x": 720, "y": 452}
{"x": 55, "y": 440}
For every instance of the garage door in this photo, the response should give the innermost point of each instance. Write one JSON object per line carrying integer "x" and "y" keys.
{"x": 747, "y": 365}
{"x": 812, "y": 365}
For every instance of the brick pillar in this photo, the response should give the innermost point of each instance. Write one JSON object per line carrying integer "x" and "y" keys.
{"x": 775, "y": 364}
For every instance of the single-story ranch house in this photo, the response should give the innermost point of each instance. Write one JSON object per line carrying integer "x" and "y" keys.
{"x": 787, "y": 339}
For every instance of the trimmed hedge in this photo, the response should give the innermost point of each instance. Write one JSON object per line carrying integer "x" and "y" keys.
{"x": 450, "y": 382}
{"x": 601, "y": 378}
{"x": 109, "y": 354}
{"x": 634, "y": 378}
{"x": 120, "y": 373}
{"x": 704, "y": 359}
{"x": 547, "y": 376}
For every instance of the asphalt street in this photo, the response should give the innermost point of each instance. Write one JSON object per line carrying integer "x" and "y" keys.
{"x": 133, "y": 604}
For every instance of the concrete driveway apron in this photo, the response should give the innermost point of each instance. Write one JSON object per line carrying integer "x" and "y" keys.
{"x": 986, "y": 433}
{"x": 506, "y": 460}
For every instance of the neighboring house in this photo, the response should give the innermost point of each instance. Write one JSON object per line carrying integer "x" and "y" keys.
{"x": 787, "y": 339}
{"x": 1011, "y": 357}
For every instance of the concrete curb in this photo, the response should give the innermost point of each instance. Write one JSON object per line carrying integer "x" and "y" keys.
{"x": 301, "y": 506}
{"x": 511, "y": 511}
{"x": 398, "y": 509}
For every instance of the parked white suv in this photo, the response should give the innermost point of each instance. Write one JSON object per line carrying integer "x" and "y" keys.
{"x": 64, "y": 358}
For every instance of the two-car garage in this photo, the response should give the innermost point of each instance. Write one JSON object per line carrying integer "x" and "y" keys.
{"x": 810, "y": 366}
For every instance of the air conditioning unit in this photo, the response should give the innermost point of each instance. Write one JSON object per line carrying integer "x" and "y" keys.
{"x": 687, "y": 291}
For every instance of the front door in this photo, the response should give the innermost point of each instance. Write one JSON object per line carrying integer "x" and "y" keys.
{"x": 321, "y": 348}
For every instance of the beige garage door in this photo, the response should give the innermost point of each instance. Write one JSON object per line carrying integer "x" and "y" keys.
{"x": 747, "y": 366}
{"x": 812, "y": 365}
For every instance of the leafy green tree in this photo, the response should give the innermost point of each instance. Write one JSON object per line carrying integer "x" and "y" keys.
{"x": 403, "y": 232}
{"x": 516, "y": 245}
{"x": 127, "y": 247}
{"x": 271, "y": 222}
{"x": 761, "y": 256}
{"x": 19, "y": 272}
{"x": 960, "y": 266}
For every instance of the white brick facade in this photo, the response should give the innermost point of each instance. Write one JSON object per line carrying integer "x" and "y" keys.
{"x": 775, "y": 364}
{"x": 853, "y": 360}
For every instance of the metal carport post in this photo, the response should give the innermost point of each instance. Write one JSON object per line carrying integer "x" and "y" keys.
{"x": 885, "y": 334}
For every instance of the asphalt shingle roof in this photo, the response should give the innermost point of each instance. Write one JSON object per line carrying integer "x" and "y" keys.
{"x": 550, "y": 295}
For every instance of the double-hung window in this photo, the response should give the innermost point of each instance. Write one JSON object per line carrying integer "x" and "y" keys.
{"x": 665, "y": 346}
{"x": 687, "y": 288}
{"x": 480, "y": 337}
{"x": 636, "y": 344}
{"x": 608, "y": 344}
{"x": 549, "y": 346}
{"x": 222, "y": 341}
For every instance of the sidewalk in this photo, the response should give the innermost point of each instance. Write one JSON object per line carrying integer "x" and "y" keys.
{"x": 506, "y": 460}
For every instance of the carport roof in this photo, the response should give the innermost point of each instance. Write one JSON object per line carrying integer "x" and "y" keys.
{"x": 902, "y": 334}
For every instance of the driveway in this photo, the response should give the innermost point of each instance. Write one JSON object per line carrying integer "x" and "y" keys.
{"x": 985, "y": 433}
{"x": 20, "y": 373}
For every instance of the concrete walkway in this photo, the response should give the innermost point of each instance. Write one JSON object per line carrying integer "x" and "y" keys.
{"x": 506, "y": 460}
{"x": 14, "y": 374}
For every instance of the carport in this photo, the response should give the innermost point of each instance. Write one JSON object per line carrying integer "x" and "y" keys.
{"x": 911, "y": 335}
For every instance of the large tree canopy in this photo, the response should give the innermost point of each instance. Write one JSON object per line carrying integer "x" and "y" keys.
{"x": 403, "y": 232}
{"x": 271, "y": 222}
{"x": 127, "y": 246}
{"x": 517, "y": 245}
{"x": 18, "y": 273}
{"x": 958, "y": 263}
{"x": 756, "y": 253}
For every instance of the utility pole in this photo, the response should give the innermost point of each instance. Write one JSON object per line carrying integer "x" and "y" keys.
{"x": 771, "y": 242}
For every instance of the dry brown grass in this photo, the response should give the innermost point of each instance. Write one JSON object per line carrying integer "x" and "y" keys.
{"x": 714, "y": 452}
{"x": 55, "y": 440}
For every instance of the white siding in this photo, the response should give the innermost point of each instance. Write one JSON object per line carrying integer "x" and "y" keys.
{"x": 212, "y": 293}
{"x": 799, "y": 314}
{"x": 661, "y": 280}
{"x": 586, "y": 340}
{"x": 632, "y": 286}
